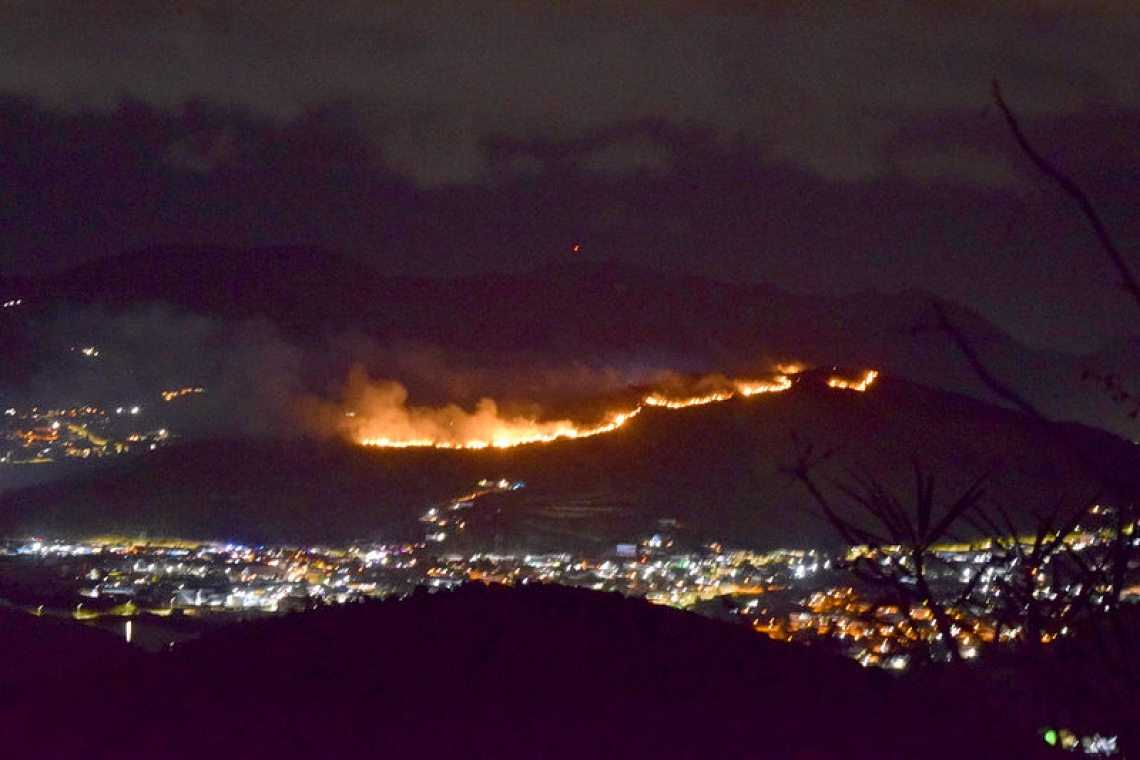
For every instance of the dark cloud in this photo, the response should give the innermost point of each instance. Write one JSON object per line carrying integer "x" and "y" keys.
{"x": 816, "y": 85}
{"x": 823, "y": 147}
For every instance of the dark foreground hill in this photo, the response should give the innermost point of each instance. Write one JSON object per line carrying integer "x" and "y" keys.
{"x": 36, "y": 651}
{"x": 721, "y": 470}
{"x": 497, "y": 672}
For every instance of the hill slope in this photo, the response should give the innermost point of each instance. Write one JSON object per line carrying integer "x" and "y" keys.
{"x": 719, "y": 469}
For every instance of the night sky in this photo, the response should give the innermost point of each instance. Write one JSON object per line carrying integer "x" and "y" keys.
{"x": 822, "y": 147}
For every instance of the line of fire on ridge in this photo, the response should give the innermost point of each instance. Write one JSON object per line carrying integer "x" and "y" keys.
{"x": 534, "y": 431}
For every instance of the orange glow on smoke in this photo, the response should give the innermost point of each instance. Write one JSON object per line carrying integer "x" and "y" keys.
{"x": 381, "y": 417}
{"x": 506, "y": 433}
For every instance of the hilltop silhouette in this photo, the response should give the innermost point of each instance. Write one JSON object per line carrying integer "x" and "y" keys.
{"x": 501, "y": 672}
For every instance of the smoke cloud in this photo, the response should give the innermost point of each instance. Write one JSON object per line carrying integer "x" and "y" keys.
{"x": 379, "y": 412}
{"x": 256, "y": 379}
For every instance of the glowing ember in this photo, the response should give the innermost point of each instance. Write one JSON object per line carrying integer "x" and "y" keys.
{"x": 853, "y": 385}
{"x": 516, "y": 433}
{"x": 383, "y": 419}
{"x": 739, "y": 387}
{"x": 656, "y": 399}
{"x": 781, "y": 383}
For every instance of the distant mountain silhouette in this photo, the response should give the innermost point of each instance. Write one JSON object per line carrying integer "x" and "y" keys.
{"x": 601, "y": 314}
{"x": 581, "y": 309}
{"x": 722, "y": 470}
{"x": 300, "y": 287}
{"x": 533, "y": 671}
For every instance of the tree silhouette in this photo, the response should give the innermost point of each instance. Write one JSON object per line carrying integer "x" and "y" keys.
{"x": 1058, "y": 598}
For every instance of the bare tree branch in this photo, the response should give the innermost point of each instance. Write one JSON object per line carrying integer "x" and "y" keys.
{"x": 1128, "y": 279}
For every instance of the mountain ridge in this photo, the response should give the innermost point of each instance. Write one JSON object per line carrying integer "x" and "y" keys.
{"x": 721, "y": 469}
{"x": 592, "y": 313}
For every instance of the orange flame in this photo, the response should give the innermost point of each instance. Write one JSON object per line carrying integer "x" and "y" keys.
{"x": 739, "y": 388}
{"x": 507, "y": 433}
{"x": 853, "y": 385}
{"x": 383, "y": 418}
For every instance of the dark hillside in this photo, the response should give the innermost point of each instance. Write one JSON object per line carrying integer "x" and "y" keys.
{"x": 719, "y": 469}
{"x": 499, "y": 672}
